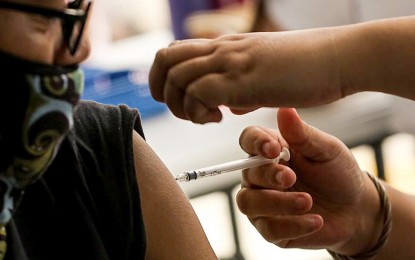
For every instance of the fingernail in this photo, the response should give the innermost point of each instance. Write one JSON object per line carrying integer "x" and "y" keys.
{"x": 278, "y": 178}
{"x": 301, "y": 203}
{"x": 314, "y": 222}
{"x": 266, "y": 148}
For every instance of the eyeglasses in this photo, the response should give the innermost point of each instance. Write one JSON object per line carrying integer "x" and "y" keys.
{"x": 72, "y": 18}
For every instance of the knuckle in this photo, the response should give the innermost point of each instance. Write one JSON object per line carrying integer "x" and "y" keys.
{"x": 175, "y": 42}
{"x": 246, "y": 133}
{"x": 251, "y": 132}
{"x": 160, "y": 56}
{"x": 242, "y": 200}
{"x": 173, "y": 79}
{"x": 237, "y": 64}
{"x": 232, "y": 58}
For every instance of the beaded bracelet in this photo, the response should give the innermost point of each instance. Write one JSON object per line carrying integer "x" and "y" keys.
{"x": 387, "y": 226}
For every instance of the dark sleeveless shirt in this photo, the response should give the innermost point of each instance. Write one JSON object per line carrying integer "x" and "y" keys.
{"x": 86, "y": 205}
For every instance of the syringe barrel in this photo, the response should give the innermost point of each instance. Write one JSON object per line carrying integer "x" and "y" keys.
{"x": 230, "y": 166}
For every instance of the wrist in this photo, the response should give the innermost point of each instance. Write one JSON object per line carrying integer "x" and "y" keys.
{"x": 372, "y": 231}
{"x": 361, "y": 56}
{"x": 370, "y": 222}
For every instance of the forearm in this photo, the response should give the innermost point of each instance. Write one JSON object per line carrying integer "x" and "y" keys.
{"x": 378, "y": 56}
{"x": 401, "y": 242}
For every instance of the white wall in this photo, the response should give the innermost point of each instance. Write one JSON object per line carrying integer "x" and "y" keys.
{"x": 120, "y": 18}
{"x": 303, "y": 14}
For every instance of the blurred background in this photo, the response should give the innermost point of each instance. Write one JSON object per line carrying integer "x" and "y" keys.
{"x": 125, "y": 36}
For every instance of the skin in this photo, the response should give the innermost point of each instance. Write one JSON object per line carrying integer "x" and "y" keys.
{"x": 321, "y": 198}
{"x": 174, "y": 229}
{"x": 284, "y": 69}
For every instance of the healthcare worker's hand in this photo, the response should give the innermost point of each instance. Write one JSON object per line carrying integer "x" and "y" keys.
{"x": 245, "y": 72}
{"x": 319, "y": 199}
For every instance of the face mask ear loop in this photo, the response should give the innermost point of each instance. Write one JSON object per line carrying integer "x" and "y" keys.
{"x": 8, "y": 185}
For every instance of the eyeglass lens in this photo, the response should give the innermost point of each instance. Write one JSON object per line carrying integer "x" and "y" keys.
{"x": 73, "y": 29}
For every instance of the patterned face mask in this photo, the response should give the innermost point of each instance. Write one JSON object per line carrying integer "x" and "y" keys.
{"x": 36, "y": 113}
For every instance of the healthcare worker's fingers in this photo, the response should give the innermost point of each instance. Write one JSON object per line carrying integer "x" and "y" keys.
{"x": 268, "y": 203}
{"x": 223, "y": 88}
{"x": 261, "y": 140}
{"x": 284, "y": 231}
{"x": 167, "y": 58}
{"x": 306, "y": 140}
{"x": 197, "y": 112}
{"x": 270, "y": 176}
{"x": 179, "y": 79}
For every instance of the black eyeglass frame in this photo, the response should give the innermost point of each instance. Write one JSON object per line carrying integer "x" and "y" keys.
{"x": 68, "y": 16}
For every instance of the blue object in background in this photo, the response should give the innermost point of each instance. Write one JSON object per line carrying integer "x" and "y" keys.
{"x": 128, "y": 87}
{"x": 180, "y": 9}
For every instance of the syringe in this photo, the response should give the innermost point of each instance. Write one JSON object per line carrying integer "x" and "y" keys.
{"x": 241, "y": 164}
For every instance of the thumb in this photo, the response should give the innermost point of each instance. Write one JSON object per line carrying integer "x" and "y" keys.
{"x": 306, "y": 140}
